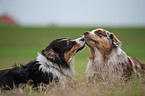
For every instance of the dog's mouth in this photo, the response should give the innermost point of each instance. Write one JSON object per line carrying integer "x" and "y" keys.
{"x": 81, "y": 48}
{"x": 76, "y": 48}
{"x": 81, "y": 42}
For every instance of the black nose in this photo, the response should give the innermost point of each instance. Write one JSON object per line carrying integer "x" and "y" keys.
{"x": 85, "y": 33}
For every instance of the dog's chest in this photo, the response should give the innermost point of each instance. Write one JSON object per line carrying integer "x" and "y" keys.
{"x": 48, "y": 67}
{"x": 112, "y": 67}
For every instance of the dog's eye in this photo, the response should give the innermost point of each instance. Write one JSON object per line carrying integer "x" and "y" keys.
{"x": 100, "y": 34}
{"x": 71, "y": 43}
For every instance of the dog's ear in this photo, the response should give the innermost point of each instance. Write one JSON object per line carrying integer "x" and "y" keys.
{"x": 50, "y": 54}
{"x": 115, "y": 41}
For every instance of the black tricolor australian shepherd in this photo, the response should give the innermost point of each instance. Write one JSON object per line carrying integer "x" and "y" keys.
{"x": 54, "y": 64}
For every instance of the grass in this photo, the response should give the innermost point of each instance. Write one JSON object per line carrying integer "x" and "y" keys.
{"x": 20, "y": 45}
{"x": 134, "y": 87}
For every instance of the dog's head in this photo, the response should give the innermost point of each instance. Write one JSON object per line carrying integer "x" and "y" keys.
{"x": 62, "y": 51}
{"x": 102, "y": 40}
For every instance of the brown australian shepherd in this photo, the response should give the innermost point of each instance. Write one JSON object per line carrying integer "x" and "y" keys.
{"x": 107, "y": 59}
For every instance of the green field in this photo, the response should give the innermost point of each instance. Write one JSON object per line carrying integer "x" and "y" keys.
{"x": 20, "y": 45}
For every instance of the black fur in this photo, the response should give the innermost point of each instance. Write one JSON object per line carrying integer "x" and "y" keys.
{"x": 23, "y": 74}
{"x": 31, "y": 71}
{"x": 60, "y": 47}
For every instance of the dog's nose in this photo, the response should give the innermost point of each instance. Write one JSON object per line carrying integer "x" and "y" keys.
{"x": 85, "y": 33}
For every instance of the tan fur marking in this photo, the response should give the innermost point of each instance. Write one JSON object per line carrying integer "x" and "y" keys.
{"x": 50, "y": 54}
{"x": 92, "y": 53}
{"x": 104, "y": 45}
{"x": 104, "y": 48}
{"x": 68, "y": 56}
{"x": 67, "y": 42}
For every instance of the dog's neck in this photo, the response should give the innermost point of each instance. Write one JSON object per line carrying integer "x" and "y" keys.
{"x": 115, "y": 54}
{"x": 96, "y": 56}
{"x": 112, "y": 62}
{"x": 53, "y": 67}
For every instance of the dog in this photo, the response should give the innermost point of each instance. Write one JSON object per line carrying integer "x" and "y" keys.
{"x": 53, "y": 65}
{"x": 107, "y": 60}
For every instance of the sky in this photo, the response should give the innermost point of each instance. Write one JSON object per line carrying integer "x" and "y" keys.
{"x": 76, "y": 12}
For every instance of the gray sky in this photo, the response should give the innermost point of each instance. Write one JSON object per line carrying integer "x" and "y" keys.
{"x": 76, "y": 12}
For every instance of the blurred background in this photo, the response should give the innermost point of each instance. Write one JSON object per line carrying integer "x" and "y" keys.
{"x": 28, "y": 26}
{"x": 120, "y": 13}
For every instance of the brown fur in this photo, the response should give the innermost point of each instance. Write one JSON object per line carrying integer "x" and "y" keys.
{"x": 68, "y": 56}
{"x": 118, "y": 63}
{"x": 50, "y": 54}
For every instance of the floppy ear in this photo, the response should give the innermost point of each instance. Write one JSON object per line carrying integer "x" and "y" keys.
{"x": 115, "y": 41}
{"x": 50, "y": 54}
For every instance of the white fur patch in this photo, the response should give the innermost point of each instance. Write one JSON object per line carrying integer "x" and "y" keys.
{"x": 44, "y": 62}
{"x": 78, "y": 40}
{"x": 111, "y": 68}
{"x": 93, "y": 69}
{"x": 43, "y": 66}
